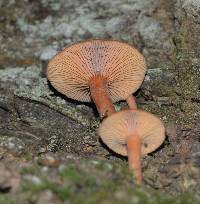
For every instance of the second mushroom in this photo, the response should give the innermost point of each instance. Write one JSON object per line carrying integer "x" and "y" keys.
{"x": 132, "y": 133}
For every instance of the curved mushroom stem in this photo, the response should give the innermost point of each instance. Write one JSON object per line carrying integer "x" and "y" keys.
{"x": 100, "y": 96}
{"x": 131, "y": 102}
{"x": 134, "y": 157}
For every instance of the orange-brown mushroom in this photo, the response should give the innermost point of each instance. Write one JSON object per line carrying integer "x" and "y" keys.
{"x": 102, "y": 71}
{"x": 131, "y": 102}
{"x": 133, "y": 133}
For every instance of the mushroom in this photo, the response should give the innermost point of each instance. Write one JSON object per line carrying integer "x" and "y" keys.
{"x": 102, "y": 71}
{"x": 131, "y": 102}
{"x": 133, "y": 133}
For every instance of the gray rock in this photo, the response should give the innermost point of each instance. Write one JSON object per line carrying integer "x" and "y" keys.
{"x": 114, "y": 25}
{"x": 48, "y": 53}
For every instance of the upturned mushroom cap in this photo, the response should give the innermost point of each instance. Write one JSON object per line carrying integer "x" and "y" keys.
{"x": 115, "y": 129}
{"x": 119, "y": 63}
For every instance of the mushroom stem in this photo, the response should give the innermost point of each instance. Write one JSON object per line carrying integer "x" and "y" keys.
{"x": 100, "y": 96}
{"x": 131, "y": 102}
{"x": 134, "y": 157}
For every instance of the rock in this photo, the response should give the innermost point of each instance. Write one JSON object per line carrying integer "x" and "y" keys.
{"x": 9, "y": 180}
{"x": 47, "y": 53}
{"x": 49, "y": 161}
{"x": 114, "y": 24}
{"x": 63, "y": 29}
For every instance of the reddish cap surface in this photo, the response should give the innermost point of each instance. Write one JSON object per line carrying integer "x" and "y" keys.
{"x": 119, "y": 63}
{"x": 115, "y": 129}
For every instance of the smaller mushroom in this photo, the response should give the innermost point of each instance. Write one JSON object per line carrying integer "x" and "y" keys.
{"x": 133, "y": 133}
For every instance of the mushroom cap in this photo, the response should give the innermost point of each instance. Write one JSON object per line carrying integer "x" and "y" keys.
{"x": 115, "y": 129}
{"x": 119, "y": 63}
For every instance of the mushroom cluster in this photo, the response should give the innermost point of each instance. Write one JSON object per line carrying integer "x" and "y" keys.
{"x": 104, "y": 72}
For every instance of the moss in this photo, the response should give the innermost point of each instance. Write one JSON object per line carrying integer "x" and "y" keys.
{"x": 61, "y": 192}
{"x": 187, "y": 63}
{"x": 30, "y": 170}
{"x": 83, "y": 181}
{"x": 6, "y": 200}
{"x": 72, "y": 173}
